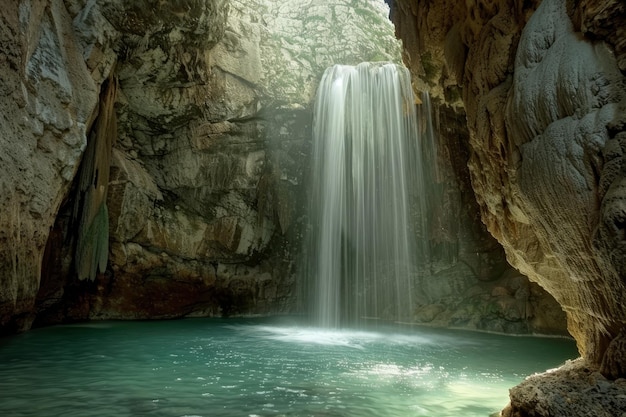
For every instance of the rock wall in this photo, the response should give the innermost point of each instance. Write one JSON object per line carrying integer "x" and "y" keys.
{"x": 48, "y": 103}
{"x": 472, "y": 285}
{"x": 543, "y": 89}
{"x": 194, "y": 204}
{"x": 565, "y": 114}
{"x": 468, "y": 283}
{"x": 198, "y": 202}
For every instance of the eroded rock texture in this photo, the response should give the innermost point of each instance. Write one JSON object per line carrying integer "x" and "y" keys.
{"x": 544, "y": 106}
{"x": 438, "y": 37}
{"x": 543, "y": 89}
{"x": 197, "y": 117}
{"x": 192, "y": 121}
{"x": 565, "y": 115}
{"x": 573, "y": 390}
{"x": 468, "y": 282}
{"x": 48, "y": 103}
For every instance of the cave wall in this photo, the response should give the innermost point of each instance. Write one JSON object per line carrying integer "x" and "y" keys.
{"x": 468, "y": 282}
{"x": 542, "y": 87}
{"x": 200, "y": 211}
{"x": 205, "y": 176}
{"x": 49, "y": 97}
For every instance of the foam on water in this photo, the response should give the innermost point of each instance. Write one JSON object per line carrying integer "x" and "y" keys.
{"x": 332, "y": 337}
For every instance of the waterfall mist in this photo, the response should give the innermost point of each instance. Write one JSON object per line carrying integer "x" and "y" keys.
{"x": 362, "y": 249}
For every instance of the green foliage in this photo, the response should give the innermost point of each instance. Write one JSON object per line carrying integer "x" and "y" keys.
{"x": 452, "y": 94}
{"x": 430, "y": 69}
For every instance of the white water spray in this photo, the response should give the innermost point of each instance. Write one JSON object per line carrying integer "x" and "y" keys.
{"x": 362, "y": 250}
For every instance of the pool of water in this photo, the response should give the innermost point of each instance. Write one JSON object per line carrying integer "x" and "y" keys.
{"x": 264, "y": 367}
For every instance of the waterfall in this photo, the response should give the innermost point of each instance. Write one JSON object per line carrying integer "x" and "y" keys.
{"x": 362, "y": 250}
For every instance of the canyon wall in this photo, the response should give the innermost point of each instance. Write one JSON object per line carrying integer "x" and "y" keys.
{"x": 154, "y": 153}
{"x": 467, "y": 282}
{"x": 49, "y": 100}
{"x": 543, "y": 89}
{"x": 154, "y": 162}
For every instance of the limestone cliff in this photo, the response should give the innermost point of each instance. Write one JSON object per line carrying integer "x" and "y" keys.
{"x": 49, "y": 100}
{"x": 192, "y": 121}
{"x": 543, "y": 90}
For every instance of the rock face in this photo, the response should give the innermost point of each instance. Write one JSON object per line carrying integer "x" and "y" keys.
{"x": 468, "y": 282}
{"x": 543, "y": 89}
{"x": 192, "y": 205}
{"x": 48, "y": 104}
{"x": 565, "y": 114}
{"x": 191, "y": 123}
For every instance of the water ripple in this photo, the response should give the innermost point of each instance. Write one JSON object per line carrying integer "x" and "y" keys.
{"x": 256, "y": 368}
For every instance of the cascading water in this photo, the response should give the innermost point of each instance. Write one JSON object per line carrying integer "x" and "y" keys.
{"x": 362, "y": 251}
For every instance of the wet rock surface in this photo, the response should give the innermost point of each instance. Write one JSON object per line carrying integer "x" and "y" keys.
{"x": 543, "y": 90}
{"x": 575, "y": 389}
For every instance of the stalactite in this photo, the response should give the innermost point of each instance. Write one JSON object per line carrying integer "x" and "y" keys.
{"x": 90, "y": 211}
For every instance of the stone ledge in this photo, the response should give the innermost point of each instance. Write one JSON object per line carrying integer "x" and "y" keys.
{"x": 576, "y": 389}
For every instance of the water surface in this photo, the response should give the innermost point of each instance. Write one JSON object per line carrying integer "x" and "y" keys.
{"x": 264, "y": 367}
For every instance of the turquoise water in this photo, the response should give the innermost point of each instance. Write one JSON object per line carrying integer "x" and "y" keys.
{"x": 263, "y": 367}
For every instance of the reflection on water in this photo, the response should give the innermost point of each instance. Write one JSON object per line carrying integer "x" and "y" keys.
{"x": 214, "y": 367}
{"x": 332, "y": 337}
